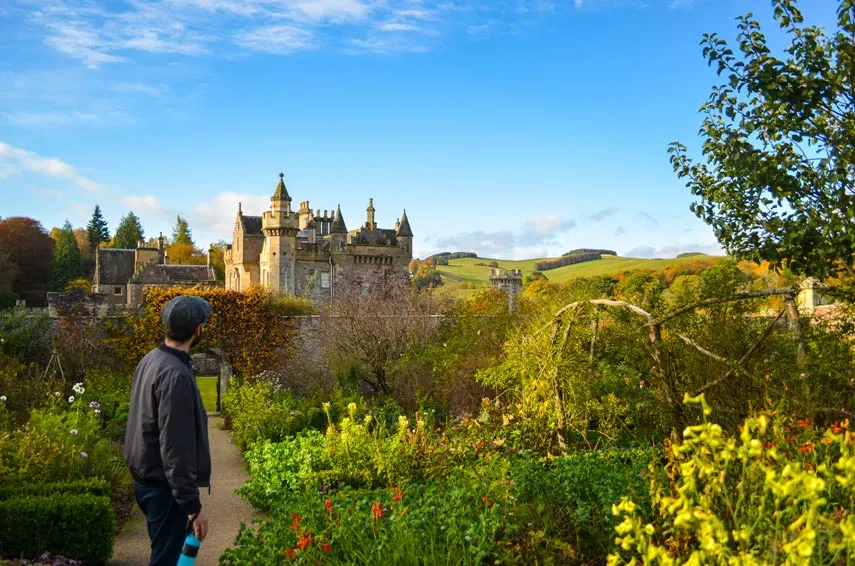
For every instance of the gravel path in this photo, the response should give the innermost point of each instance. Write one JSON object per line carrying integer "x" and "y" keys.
{"x": 224, "y": 507}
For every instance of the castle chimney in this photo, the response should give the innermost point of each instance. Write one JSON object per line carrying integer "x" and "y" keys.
{"x": 210, "y": 257}
{"x": 370, "y": 224}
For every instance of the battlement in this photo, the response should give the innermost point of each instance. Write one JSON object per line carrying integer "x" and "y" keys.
{"x": 506, "y": 275}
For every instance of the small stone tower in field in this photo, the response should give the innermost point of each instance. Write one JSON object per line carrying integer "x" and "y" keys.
{"x": 509, "y": 281}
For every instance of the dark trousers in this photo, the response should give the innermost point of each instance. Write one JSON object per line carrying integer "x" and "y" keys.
{"x": 166, "y": 522}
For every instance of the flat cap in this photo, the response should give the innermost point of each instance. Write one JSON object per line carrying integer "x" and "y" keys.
{"x": 184, "y": 313}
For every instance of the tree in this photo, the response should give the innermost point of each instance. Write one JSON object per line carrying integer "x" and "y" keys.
{"x": 778, "y": 181}
{"x": 29, "y": 254}
{"x": 66, "y": 259}
{"x": 87, "y": 253}
{"x": 97, "y": 230}
{"x": 185, "y": 254}
{"x": 181, "y": 234}
{"x": 129, "y": 232}
{"x": 8, "y": 273}
{"x": 218, "y": 259}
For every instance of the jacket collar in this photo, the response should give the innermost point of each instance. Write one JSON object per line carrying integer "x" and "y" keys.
{"x": 180, "y": 354}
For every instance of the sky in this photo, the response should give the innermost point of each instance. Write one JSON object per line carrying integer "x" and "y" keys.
{"x": 511, "y": 128}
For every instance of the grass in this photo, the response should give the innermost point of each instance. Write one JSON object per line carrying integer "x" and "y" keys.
{"x": 208, "y": 389}
{"x": 476, "y": 271}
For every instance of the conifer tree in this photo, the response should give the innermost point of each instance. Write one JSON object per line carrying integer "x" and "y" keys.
{"x": 182, "y": 234}
{"x": 97, "y": 229}
{"x": 66, "y": 259}
{"x": 129, "y": 232}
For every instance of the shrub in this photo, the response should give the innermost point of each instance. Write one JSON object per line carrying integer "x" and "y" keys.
{"x": 250, "y": 328}
{"x": 774, "y": 494}
{"x": 97, "y": 487}
{"x": 75, "y": 526}
{"x": 566, "y": 260}
{"x": 458, "y": 520}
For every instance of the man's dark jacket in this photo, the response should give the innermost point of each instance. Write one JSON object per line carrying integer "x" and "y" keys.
{"x": 166, "y": 442}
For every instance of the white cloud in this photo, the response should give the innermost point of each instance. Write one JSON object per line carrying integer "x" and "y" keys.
{"x": 217, "y": 217}
{"x": 601, "y": 215}
{"x": 144, "y": 204}
{"x": 537, "y": 236}
{"x": 279, "y": 39}
{"x": 15, "y": 160}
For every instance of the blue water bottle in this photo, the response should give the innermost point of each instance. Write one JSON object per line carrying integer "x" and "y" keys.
{"x": 189, "y": 552}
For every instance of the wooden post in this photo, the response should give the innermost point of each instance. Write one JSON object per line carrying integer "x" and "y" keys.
{"x": 795, "y": 324}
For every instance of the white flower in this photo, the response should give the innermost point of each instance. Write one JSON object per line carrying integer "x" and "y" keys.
{"x": 79, "y": 389}
{"x": 97, "y": 411}
{"x": 2, "y": 398}
{"x": 56, "y": 393}
{"x": 71, "y": 399}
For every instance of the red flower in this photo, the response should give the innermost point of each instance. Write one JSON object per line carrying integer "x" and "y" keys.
{"x": 290, "y": 554}
{"x": 484, "y": 500}
{"x": 808, "y": 466}
{"x": 791, "y": 439}
{"x": 304, "y": 541}
{"x": 295, "y": 524}
{"x": 377, "y": 511}
{"x": 837, "y": 428}
{"x": 807, "y": 448}
{"x": 803, "y": 423}
{"x": 328, "y": 504}
{"x": 399, "y": 494}
{"x": 326, "y": 547}
{"x": 768, "y": 444}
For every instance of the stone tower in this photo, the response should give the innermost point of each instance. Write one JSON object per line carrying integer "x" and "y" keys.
{"x": 280, "y": 225}
{"x": 509, "y": 281}
{"x": 404, "y": 234}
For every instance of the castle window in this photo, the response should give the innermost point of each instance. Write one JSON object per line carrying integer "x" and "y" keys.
{"x": 117, "y": 290}
{"x": 325, "y": 280}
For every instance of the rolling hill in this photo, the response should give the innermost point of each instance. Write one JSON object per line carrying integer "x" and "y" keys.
{"x": 476, "y": 271}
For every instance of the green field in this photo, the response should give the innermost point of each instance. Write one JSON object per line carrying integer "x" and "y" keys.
{"x": 208, "y": 389}
{"x": 476, "y": 271}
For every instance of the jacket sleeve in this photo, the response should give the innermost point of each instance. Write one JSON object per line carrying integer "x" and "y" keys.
{"x": 175, "y": 415}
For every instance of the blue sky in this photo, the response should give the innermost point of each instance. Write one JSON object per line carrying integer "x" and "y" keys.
{"x": 513, "y": 128}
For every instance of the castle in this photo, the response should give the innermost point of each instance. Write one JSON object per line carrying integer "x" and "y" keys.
{"x": 313, "y": 255}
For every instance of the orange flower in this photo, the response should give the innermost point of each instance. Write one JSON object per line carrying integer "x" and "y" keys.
{"x": 377, "y": 511}
{"x": 290, "y": 553}
{"x": 768, "y": 444}
{"x": 304, "y": 541}
{"x": 295, "y": 524}
{"x": 791, "y": 439}
{"x": 328, "y": 504}
{"x": 326, "y": 547}
{"x": 484, "y": 500}
{"x": 808, "y": 466}
{"x": 837, "y": 428}
{"x": 807, "y": 448}
{"x": 803, "y": 423}
{"x": 827, "y": 440}
{"x": 399, "y": 494}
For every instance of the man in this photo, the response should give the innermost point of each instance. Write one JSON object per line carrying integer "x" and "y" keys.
{"x": 166, "y": 442}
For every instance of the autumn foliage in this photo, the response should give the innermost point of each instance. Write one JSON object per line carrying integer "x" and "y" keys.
{"x": 249, "y": 328}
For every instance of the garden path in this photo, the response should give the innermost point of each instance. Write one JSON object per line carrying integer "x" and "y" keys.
{"x": 225, "y": 508}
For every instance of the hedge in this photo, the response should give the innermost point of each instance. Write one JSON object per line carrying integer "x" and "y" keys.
{"x": 566, "y": 260}
{"x": 75, "y": 526}
{"x": 97, "y": 487}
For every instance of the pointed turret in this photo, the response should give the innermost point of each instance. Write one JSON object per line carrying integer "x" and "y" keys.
{"x": 338, "y": 226}
{"x": 281, "y": 193}
{"x": 404, "y": 226}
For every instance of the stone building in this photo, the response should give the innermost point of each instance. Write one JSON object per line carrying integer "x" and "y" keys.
{"x": 124, "y": 275}
{"x": 311, "y": 254}
{"x": 509, "y": 281}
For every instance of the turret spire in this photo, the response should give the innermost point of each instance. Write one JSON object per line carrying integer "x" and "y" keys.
{"x": 404, "y": 227}
{"x": 338, "y": 226}
{"x": 281, "y": 193}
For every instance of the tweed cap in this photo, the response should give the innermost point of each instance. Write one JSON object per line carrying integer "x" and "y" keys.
{"x": 184, "y": 313}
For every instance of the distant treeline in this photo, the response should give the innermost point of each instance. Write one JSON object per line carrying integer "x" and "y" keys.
{"x": 567, "y": 260}
{"x": 581, "y": 251}
{"x": 454, "y": 255}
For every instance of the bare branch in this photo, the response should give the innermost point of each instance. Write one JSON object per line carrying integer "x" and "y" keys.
{"x": 731, "y": 299}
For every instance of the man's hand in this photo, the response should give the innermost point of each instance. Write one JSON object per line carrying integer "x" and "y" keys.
{"x": 200, "y": 525}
